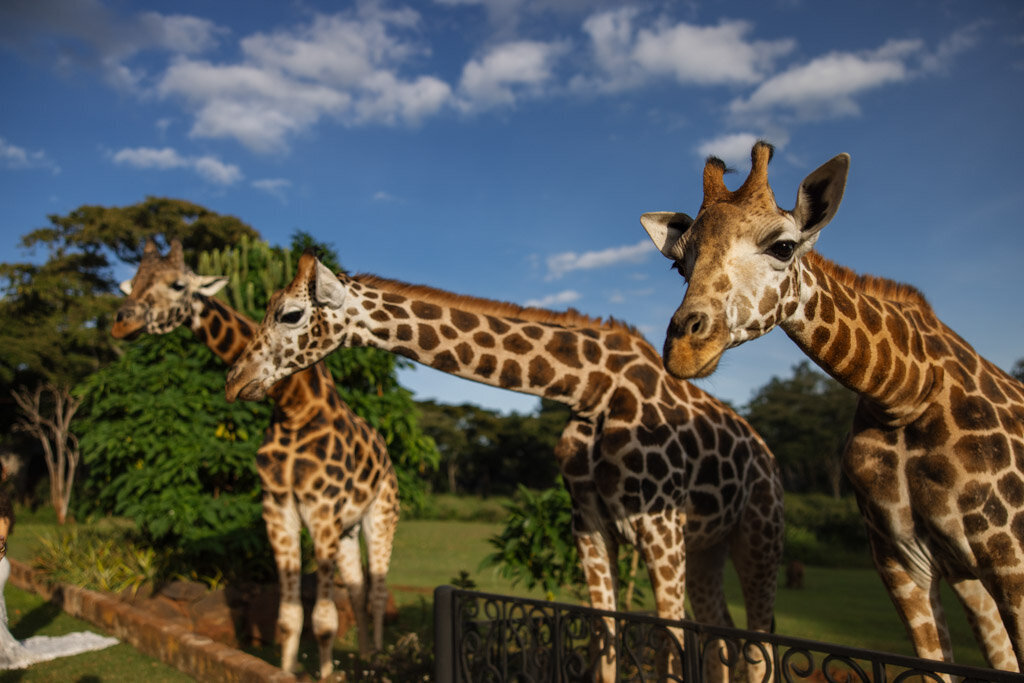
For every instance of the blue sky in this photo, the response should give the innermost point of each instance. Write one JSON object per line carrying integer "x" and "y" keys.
{"x": 506, "y": 148}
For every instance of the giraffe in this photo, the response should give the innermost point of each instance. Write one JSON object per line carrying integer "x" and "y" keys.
{"x": 936, "y": 450}
{"x": 648, "y": 460}
{"x": 319, "y": 463}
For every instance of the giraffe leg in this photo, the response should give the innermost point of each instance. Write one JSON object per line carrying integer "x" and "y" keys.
{"x": 987, "y": 624}
{"x": 597, "y": 552}
{"x": 325, "y": 613}
{"x": 705, "y": 570}
{"x": 350, "y": 566}
{"x": 660, "y": 536}
{"x": 379, "y": 525}
{"x": 918, "y": 606}
{"x": 1003, "y": 586}
{"x": 756, "y": 554}
{"x": 283, "y": 529}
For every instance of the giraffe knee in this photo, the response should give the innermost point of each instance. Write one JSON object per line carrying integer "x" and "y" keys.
{"x": 289, "y": 621}
{"x": 325, "y": 619}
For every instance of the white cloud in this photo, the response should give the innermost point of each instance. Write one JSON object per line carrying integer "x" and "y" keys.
{"x": 15, "y": 157}
{"x": 557, "y": 300}
{"x": 733, "y": 149}
{"x": 628, "y": 56}
{"x": 387, "y": 197}
{"x": 507, "y": 71}
{"x": 560, "y": 264}
{"x": 149, "y": 157}
{"x": 208, "y": 167}
{"x": 827, "y": 86}
{"x": 216, "y": 171}
{"x": 344, "y": 66}
{"x": 273, "y": 186}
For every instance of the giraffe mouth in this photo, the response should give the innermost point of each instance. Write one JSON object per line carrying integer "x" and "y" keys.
{"x": 236, "y": 387}
{"x": 253, "y": 391}
{"x": 128, "y": 331}
{"x": 684, "y": 361}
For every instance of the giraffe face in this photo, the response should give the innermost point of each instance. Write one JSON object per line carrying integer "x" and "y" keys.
{"x": 305, "y": 321}
{"x": 159, "y": 296}
{"x": 741, "y": 259}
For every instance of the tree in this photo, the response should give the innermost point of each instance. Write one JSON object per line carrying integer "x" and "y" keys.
{"x": 55, "y": 317}
{"x": 49, "y": 420}
{"x": 805, "y": 420}
{"x": 486, "y": 453}
{"x": 1018, "y": 369}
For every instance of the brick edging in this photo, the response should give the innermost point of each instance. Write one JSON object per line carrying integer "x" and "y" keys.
{"x": 174, "y": 645}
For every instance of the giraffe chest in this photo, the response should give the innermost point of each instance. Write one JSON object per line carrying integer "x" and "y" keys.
{"x": 324, "y": 468}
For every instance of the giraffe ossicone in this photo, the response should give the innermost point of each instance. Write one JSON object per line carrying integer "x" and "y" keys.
{"x": 319, "y": 463}
{"x": 648, "y": 460}
{"x": 936, "y": 451}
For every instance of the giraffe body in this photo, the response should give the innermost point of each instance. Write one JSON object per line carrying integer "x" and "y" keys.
{"x": 648, "y": 460}
{"x": 936, "y": 451}
{"x": 319, "y": 464}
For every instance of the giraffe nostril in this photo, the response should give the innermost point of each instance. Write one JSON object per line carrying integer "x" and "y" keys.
{"x": 120, "y": 317}
{"x": 692, "y": 325}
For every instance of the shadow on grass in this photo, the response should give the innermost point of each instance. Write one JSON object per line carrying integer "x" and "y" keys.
{"x": 39, "y": 618}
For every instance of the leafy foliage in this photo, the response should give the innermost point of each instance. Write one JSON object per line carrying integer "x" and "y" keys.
{"x": 486, "y": 453}
{"x": 110, "y": 560}
{"x": 536, "y": 546}
{"x": 825, "y": 531}
{"x": 805, "y": 420}
{"x": 163, "y": 447}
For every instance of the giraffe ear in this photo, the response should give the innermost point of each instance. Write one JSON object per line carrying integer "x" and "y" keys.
{"x": 820, "y": 193}
{"x": 666, "y": 229}
{"x": 210, "y": 284}
{"x": 329, "y": 291}
{"x": 126, "y": 287}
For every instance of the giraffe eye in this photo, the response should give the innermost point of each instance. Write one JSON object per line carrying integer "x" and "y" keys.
{"x": 178, "y": 286}
{"x": 783, "y": 249}
{"x": 290, "y": 318}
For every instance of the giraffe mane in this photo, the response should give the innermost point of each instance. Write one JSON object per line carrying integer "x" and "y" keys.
{"x": 890, "y": 290}
{"x": 568, "y": 318}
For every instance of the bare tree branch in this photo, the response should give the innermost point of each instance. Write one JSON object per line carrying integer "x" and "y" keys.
{"x": 50, "y": 422}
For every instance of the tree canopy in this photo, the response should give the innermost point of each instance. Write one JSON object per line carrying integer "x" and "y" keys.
{"x": 805, "y": 420}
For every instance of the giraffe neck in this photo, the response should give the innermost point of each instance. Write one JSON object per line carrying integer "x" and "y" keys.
{"x": 224, "y": 330}
{"x": 876, "y": 337}
{"x": 566, "y": 357}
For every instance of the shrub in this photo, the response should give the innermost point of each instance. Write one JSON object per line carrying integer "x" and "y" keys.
{"x": 537, "y": 548}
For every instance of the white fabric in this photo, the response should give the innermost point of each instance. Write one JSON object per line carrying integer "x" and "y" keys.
{"x": 15, "y": 654}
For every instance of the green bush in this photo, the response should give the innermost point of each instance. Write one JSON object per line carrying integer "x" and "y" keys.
{"x": 111, "y": 560}
{"x": 161, "y": 446}
{"x": 536, "y": 547}
{"x": 825, "y": 531}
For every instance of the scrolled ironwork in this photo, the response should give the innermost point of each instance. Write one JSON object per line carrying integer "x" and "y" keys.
{"x": 500, "y": 638}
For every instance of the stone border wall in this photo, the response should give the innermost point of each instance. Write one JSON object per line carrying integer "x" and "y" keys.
{"x": 174, "y": 645}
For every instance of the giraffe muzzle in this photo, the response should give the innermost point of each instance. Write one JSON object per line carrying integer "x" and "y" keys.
{"x": 240, "y": 385}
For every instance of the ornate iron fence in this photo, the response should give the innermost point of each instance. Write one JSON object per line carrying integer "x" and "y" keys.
{"x": 482, "y": 637}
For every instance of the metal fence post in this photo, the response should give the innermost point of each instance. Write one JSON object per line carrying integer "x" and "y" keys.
{"x": 444, "y": 636}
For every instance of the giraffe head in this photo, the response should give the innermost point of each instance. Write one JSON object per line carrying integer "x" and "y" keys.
{"x": 159, "y": 295}
{"x": 741, "y": 256}
{"x": 304, "y": 322}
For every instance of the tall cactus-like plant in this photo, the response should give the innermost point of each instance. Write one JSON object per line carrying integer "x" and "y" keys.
{"x": 254, "y": 269}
